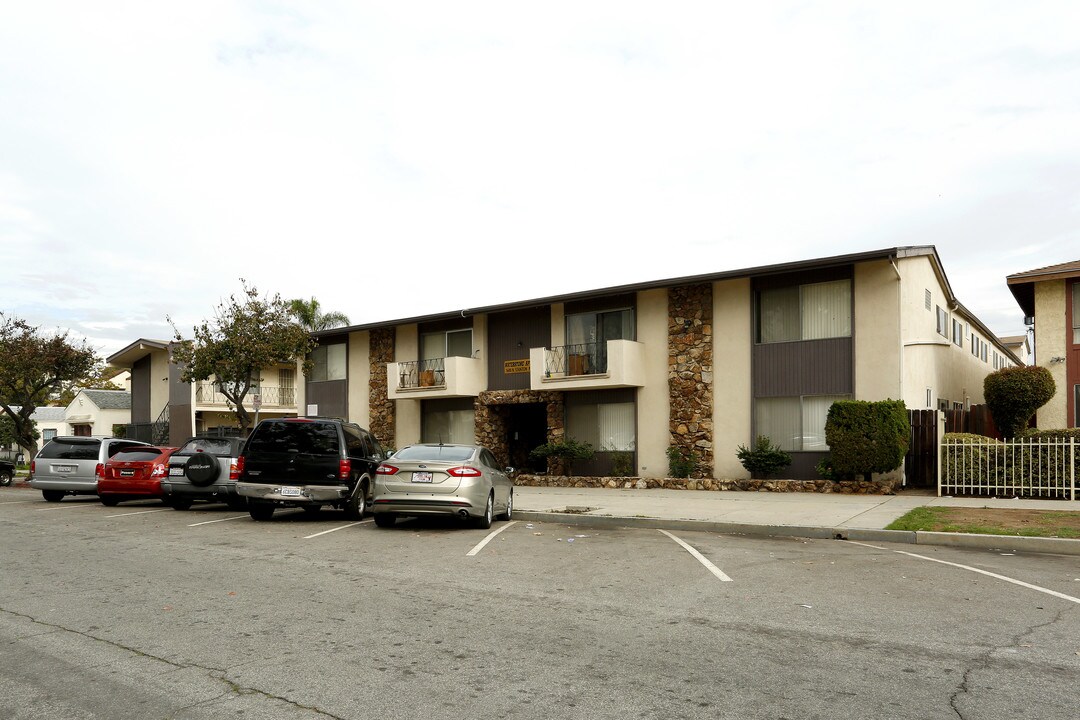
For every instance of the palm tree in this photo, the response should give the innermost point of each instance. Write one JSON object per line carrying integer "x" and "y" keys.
{"x": 308, "y": 314}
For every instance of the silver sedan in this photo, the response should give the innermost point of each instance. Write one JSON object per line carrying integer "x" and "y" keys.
{"x": 430, "y": 479}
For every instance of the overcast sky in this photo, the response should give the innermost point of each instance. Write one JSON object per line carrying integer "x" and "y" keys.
{"x": 401, "y": 158}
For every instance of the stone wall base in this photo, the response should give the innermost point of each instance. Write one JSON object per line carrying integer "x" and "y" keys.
{"x": 884, "y": 486}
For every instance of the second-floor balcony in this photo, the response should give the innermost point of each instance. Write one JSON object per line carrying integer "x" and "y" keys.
{"x": 588, "y": 366}
{"x": 435, "y": 378}
{"x": 270, "y": 397}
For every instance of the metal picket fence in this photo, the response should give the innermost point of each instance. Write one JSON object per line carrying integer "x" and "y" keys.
{"x": 1036, "y": 468}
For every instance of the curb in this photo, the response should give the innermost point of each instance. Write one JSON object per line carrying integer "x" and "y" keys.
{"x": 1053, "y": 546}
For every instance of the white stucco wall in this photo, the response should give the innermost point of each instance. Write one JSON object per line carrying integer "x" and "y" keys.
{"x": 407, "y": 418}
{"x": 931, "y": 361}
{"x": 732, "y": 392}
{"x": 653, "y": 429}
{"x": 1051, "y": 340}
{"x": 878, "y": 349}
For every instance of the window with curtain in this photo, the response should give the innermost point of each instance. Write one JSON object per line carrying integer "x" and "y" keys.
{"x": 448, "y": 426}
{"x": 805, "y": 312}
{"x": 1076, "y": 313}
{"x": 796, "y": 424}
{"x": 605, "y": 426}
{"x": 328, "y": 362}
{"x": 453, "y": 343}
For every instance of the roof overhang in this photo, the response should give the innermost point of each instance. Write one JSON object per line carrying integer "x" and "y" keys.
{"x": 136, "y": 351}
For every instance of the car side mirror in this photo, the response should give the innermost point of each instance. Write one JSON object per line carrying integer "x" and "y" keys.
{"x": 509, "y": 470}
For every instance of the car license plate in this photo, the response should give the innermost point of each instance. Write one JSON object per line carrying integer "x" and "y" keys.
{"x": 422, "y": 477}
{"x": 176, "y": 471}
{"x": 127, "y": 473}
{"x": 64, "y": 468}
{"x": 290, "y": 491}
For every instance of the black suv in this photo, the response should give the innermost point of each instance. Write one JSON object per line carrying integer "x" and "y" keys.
{"x": 308, "y": 463}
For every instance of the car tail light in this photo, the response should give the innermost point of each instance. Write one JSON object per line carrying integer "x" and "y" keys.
{"x": 33, "y": 466}
{"x": 385, "y": 469}
{"x": 99, "y": 471}
{"x": 464, "y": 471}
{"x": 160, "y": 470}
{"x": 236, "y": 467}
{"x": 345, "y": 469}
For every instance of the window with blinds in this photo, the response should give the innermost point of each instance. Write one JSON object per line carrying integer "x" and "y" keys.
{"x": 805, "y": 312}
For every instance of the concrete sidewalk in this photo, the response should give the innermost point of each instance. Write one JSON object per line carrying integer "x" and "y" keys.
{"x": 816, "y": 515}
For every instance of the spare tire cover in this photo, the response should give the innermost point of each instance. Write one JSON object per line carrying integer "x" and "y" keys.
{"x": 201, "y": 469}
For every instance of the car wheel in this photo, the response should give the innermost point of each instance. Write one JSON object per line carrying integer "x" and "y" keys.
{"x": 5, "y": 478}
{"x": 180, "y": 503}
{"x": 109, "y": 501}
{"x": 385, "y": 520}
{"x": 261, "y": 511}
{"x": 202, "y": 469}
{"x": 484, "y": 521}
{"x": 356, "y": 506}
{"x": 509, "y": 514}
{"x": 53, "y": 495}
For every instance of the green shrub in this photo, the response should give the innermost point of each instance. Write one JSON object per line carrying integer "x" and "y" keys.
{"x": 561, "y": 454}
{"x": 622, "y": 463}
{"x": 826, "y": 471}
{"x": 1025, "y": 465}
{"x": 867, "y": 437}
{"x": 681, "y": 462}
{"x": 764, "y": 459}
{"x": 1013, "y": 395}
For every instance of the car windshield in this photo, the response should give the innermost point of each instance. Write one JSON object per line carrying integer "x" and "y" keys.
{"x": 71, "y": 449}
{"x": 444, "y": 453}
{"x": 295, "y": 437}
{"x": 214, "y": 446}
{"x": 141, "y": 455}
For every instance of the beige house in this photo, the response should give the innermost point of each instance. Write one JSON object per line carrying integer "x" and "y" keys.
{"x": 1050, "y": 298}
{"x": 703, "y": 363}
{"x": 97, "y": 412}
{"x": 165, "y": 409}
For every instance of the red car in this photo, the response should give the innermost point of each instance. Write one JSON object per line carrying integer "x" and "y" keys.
{"x": 134, "y": 474}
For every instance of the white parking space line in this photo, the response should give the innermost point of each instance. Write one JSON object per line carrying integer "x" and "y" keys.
{"x": 141, "y": 512}
{"x": 208, "y": 522}
{"x": 489, "y": 538}
{"x": 340, "y": 527}
{"x": 69, "y": 506}
{"x": 700, "y": 558}
{"x": 1014, "y": 581}
{"x": 16, "y": 502}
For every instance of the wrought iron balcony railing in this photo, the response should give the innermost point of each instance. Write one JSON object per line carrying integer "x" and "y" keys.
{"x": 580, "y": 359}
{"x": 422, "y": 373}
{"x": 208, "y": 393}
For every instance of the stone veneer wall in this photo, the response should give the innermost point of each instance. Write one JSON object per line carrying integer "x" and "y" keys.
{"x": 381, "y": 423}
{"x": 690, "y": 372}
{"x": 491, "y": 431}
{"x": 883, "y": 486}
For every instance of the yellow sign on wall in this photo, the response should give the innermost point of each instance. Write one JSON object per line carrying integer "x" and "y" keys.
{"x": 515, "y": 366}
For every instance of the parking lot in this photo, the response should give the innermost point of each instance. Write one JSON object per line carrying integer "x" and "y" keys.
{"x": 143, "y": 611}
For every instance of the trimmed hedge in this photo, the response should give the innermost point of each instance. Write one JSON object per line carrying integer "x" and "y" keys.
{"x": 1023, "y": 466}
{"x": 867, "y": 437}
{"x": 1013, "y": 395}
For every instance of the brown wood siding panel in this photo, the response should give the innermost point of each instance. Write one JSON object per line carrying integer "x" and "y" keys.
{"x": 180, "y": 423}
{"x": 331, "y": 396}
{"x": 140, "y": 391}
{"x": 812, "y": 367}
{"x": 510, "y": 337}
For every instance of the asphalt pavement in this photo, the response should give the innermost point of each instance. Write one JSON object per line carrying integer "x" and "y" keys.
{"x": 811, "y": 515}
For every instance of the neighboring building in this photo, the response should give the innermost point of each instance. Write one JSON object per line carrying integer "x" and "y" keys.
{"x": 1050, "y": 297}
{"x": 165, "y": 409}
{"x": 1020, "y": 346}
{"x": 50, "y": 423}
{"x": 97, "y": 412}
{"x": 706, "y": 362}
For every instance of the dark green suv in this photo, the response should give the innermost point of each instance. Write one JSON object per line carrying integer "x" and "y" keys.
{"x": 308, "y": 463}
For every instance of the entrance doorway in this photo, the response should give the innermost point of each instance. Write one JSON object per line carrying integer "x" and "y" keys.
{"x": 526, "y": 429}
